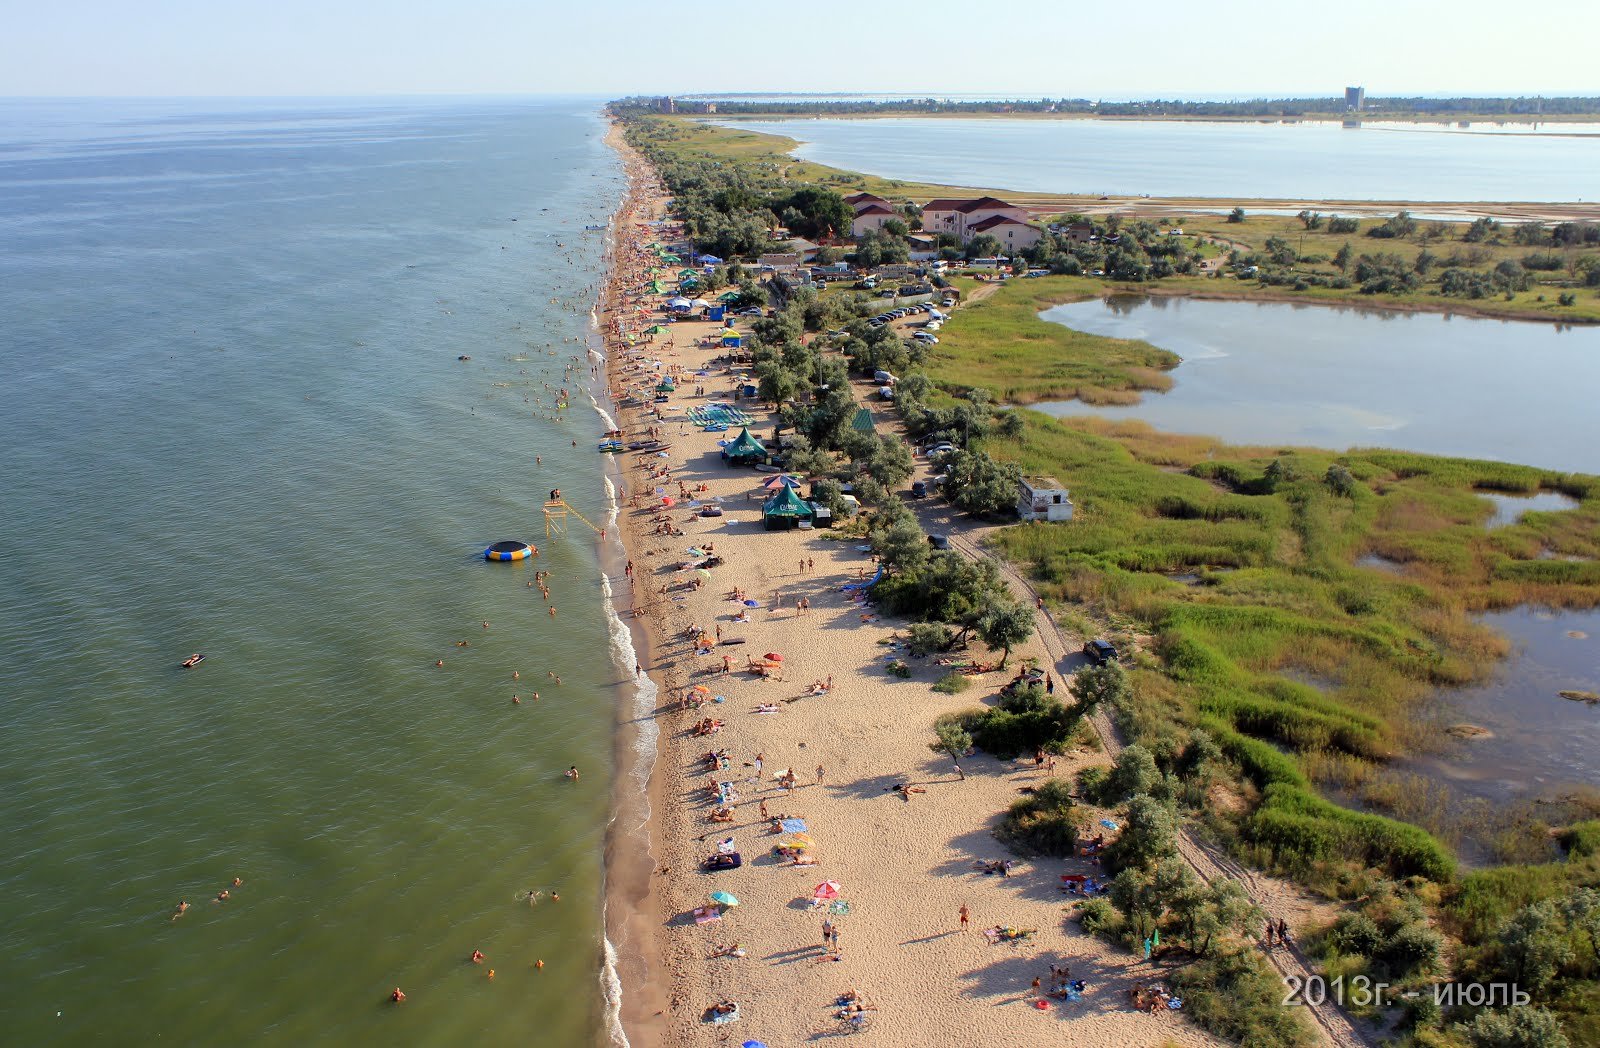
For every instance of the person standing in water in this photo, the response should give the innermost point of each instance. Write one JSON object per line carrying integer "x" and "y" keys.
{"x": 572, "y": 773}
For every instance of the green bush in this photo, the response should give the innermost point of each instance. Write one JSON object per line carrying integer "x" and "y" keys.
{"x": 1412, "y": 949}
{"x": 1581, "y": 839}
{"x": 1356, "y": 933}
{"x": 1238, "y": 996}
{"x": 1098, "y": 917}
{"x": 952, "y": 683}
{"x": 1045, "y": 822}
{"x": 925, "y": 638}
{"x": 1301, "y": 829}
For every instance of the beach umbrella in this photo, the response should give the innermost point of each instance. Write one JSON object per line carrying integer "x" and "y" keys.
{"x": 799, "y": 841}
{"x": 753, "y": 1044}
{"x": 724, "y": 899}
{"x": 773, "y": 656}
{"x": 793, "y": 825}
{"x": 668, "y": 500}
{"x": 703, "y": 573}
{"x": 752, "y": 604}
{"x": 826, "y": 890}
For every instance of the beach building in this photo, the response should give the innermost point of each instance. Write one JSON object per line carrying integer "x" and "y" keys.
{"x": 959, "y": 216}
{"x": 1043, "y": 498}
{"x": 780, "y": 262}
{"x": 870, "y": 219}
{"x": 924, "y": 248}
{"x": 1013, "y": 234}
{"x": 858, "y": 201}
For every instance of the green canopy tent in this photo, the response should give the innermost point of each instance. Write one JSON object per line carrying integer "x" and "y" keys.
{"x": 656, "y": 288}
{"x": 862, "y": 422}
{"x": 658, "y": 329}
{"x": 745, "y": 450}
{"x": 784, "y": 509}
{"x": 729, "y": 296}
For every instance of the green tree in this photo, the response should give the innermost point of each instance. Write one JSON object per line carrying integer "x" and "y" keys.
{"x": 1582, "y": 912}
{"x": 984, "y": 245}
{"x": 1151, "y": 833}
{"x": 953, "y": 740}
{"x": 901, "y": 545}
{"x": 1005, "y": 625}
{"x": 1343, "y": 257}
{"x": 1134, "y": 772}
{"x": 1516, "y": 1028}
{"x": 1094, "y": 686}
{"x": 775, "y": 383}
{"x": 1340, "y": 480}
{"x": 890, "y": 463}
{"x": 1236, "y": 215}
{"x": 1205, "y": 911}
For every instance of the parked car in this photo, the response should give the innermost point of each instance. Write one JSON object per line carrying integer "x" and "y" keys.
{"x": 939, "y": 541}
{"x": 751, "y": 311}
{"x": 1099, "y": 651}
{"x": 886, "y": 392}
{"x": 919, "y": 489}
{"x": 926, "y": 339}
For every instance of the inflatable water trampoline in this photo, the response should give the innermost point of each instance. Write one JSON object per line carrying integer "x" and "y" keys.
{"x": 509, "y": 550}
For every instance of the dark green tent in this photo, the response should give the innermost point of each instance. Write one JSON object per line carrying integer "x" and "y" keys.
{"x": 862, "y": 423}
{"x": 784, "y": 509}
{"x": 745, "y": 450}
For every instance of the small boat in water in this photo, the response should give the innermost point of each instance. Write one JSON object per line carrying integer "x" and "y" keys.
{"x": 193, "y": 660}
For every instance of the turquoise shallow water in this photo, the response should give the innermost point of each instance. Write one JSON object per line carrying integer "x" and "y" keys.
{"x": 235, "y": 423}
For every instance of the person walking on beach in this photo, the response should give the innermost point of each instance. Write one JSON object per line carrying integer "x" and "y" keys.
{"x": 819, "y": 775}
{"x": 759, "y": 758}
{"x": 964, "y": 916}
{"x": 827, "y": 932}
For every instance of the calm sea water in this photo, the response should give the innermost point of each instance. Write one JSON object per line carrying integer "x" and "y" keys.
{"x": 1340, "y": 377}
{"x": 1187, "y": 158}
{"x": 234, "y": 423}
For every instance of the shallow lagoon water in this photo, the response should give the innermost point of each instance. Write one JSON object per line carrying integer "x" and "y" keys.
{"x": 1244, "y": 160}
{"x": 1282, "y": 374}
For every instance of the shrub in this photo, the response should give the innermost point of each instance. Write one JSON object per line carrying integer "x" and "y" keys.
{"x": 1515, "y": 1028}
{"x": 1238, "y": 996}
{"x": 1581, "y": 839}
{"x": 1098, "y": 917}
{"x": 1046, "y": 822}
{"x": 1414, "y": 948}
{"x": 952, "y": 684}
{"x": 1356, "y": 933}
{"x": 925, "y": 638}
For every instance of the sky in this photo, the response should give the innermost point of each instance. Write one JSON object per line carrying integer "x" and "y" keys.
{"x": 1022, "y": 48}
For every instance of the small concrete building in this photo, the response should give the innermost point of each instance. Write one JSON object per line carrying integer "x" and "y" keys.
{"x": 1043, "y": 498}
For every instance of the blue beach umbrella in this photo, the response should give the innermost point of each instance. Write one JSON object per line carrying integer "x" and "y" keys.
{"x": 724, "y": 899}
{"x": 753, "y": 1044}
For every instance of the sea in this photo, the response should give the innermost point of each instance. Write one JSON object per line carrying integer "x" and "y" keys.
{"x": 276, "y": 372}
{"x": 1190, "y": 158}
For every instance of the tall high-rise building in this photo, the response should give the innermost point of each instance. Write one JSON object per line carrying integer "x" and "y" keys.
{"x": 1355, "y": 97}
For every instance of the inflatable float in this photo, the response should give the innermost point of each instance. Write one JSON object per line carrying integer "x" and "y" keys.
{"x": 509, "y": 550}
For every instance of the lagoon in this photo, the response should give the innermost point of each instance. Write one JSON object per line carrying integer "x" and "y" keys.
{"x": 1282, "y": 374}
{"x": 1244, "y": 160}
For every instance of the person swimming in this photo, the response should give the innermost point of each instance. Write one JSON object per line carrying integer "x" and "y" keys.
{"x": 183, "y": 908}
{"x": 572, "y": 773}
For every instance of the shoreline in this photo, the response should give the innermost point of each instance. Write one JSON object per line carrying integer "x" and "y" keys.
{"x": 629, "y": 916}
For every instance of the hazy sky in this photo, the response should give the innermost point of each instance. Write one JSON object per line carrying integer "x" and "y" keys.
{"x": 1238, "y": 48}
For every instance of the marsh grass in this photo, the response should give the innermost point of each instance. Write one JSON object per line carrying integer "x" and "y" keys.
{"x": 1296, "y": 603}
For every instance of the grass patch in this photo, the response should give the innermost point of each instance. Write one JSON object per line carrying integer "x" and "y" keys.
{"x": 1237, "y": 995}
{"x": 952, "y": 683}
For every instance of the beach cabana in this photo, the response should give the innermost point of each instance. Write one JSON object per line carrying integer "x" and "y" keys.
{"x": 745, "y": 450}
{"x": 785, "y": 509}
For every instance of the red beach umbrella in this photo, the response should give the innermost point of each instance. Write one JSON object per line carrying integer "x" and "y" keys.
{"x": 773, "y": 656}
{"x": 826, "y": 890}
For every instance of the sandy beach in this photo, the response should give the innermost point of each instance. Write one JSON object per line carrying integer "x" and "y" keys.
{"x": 905, "y": 861}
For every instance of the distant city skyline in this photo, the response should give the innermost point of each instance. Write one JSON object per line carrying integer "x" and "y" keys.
{"x": 1228, "y": 49}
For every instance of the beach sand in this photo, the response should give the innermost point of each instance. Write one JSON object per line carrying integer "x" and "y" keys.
{"x": 904, "y": 863}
